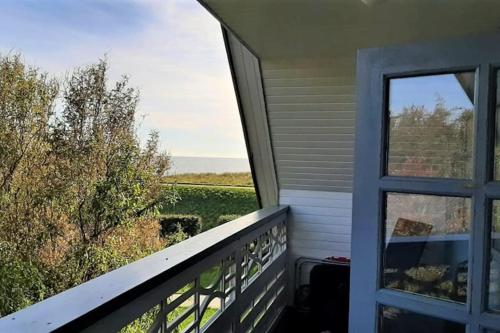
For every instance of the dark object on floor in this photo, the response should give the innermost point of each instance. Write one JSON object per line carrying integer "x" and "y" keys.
{"x": 293, "y": 321}
{"x": 330, "y": 298}
{"x": 323, "y": 304}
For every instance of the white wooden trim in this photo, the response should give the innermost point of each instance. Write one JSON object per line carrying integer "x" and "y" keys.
{"x": 248, "y": 82}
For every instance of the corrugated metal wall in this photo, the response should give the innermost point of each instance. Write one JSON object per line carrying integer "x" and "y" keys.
{"x": 311, "y": 110}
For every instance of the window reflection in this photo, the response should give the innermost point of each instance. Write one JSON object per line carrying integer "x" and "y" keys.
{"x": 494, "y": 268}
{"x": 431, "y": 125}
{"x": 393, "y": 320}
{"x": 426, "y": 245}
{"x": 497, "y": 129}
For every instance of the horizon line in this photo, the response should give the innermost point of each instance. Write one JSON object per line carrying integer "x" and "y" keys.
{"x": 242, "y": 157}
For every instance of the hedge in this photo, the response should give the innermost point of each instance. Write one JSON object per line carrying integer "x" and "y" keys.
{"x": 227, "y": 218}
{"x": 210, "y": 202}
{"x": 189, "y": 224}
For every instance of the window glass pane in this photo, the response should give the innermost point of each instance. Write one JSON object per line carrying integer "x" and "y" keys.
{"x": 487, "y": 330}
{"x": 393, "y": 320}
{"x": 497, "y": 129}
{"x": 426, "y": 245}
{"x": 431, "y": 125}
{"x": 494, "y": 268}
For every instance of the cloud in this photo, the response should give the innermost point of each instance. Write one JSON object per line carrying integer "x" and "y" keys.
{"x": 172, "y": 50}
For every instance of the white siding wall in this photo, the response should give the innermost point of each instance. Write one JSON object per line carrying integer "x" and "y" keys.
{"x": 319, "y": 226}
{"x": 311, "y": 110}
{"x": 319, "y": 223}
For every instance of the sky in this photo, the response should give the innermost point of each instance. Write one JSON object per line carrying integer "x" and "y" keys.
{"x": 172, "y": 50}
{"x": 425, "y": 91}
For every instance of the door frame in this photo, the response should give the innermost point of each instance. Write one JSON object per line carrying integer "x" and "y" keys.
{"x": 374, "y": 69}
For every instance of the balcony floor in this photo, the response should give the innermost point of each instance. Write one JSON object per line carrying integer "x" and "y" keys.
{"x": 293, "y": 321}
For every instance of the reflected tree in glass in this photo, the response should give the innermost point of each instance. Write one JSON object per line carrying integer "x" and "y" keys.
{"x": 431, "y": 126}
{"x": 497, "y": 130}
{"x": 494, "y": 266}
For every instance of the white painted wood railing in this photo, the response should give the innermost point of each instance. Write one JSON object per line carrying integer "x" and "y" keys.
{"x": 229, "y": 279}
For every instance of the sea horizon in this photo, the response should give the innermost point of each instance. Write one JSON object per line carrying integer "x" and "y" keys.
{"x": 198, "y": 164}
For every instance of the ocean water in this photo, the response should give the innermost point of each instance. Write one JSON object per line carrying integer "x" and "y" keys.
{"x": 183, "y": 164}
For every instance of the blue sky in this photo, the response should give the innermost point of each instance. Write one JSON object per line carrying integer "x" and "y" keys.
{"x": 172, "y": 50}
{"x": 425, "y": 90}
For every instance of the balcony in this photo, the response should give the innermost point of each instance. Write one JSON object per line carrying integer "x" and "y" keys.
{"x": 229, "y": 279}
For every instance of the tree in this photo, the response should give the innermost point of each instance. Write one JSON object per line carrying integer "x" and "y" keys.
{"x": 78, "y": 194}
{"x": 111, "y": 179}
{"x": 27, "y": 100}
{"x": 431, "y": 143}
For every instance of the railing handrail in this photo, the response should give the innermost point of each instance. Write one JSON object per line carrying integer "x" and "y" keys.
{"x": 82, "y": 305}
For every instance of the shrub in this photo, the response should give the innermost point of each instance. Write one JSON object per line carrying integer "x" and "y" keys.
{"x": 21, "y": 282}
{"x": 227, "y": 218}
{"x": 78, "y": 190}
{"x": 188, "y": 224}
{"x": 210, "y": 202}
{"x": 124, "y": 244}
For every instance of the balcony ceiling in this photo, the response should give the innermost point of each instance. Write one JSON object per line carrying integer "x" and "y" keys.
{"x": 305, "y": 28}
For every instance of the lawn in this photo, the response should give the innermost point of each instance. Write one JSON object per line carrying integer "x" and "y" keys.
{"x": 226, "y": 179}
{"x": 210, "y": 202}
{"x": 143, "y": 323}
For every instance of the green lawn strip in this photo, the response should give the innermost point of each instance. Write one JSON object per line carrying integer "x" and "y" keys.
{"x": 143, "y": 323}
{"x": 207, "y": 279}
{"x": 209, "y": 313}
{"x": 210, "y": 276}
{"x": 210, "y": 202}
{"x": 229, "y": 178}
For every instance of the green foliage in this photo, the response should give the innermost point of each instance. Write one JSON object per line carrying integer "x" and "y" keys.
{"x": 143, "y": 323}
{"x": 227, "y": 179}
{"x": 20, "y": 279}
{"x": 26, "y": 109}
{"x": 189, "y": 224}
{"x": 112, "y": 179}
{"x": 433, "y": 143}
{"x": 210, "y": 202}
{"x": 227, "y": 218}
{"x": 78, "y": 193}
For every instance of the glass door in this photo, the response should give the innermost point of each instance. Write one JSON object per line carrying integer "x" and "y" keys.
{"x": 426, "y": 210}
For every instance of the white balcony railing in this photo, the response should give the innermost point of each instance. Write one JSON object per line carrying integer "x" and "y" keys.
{"x": 229, "y": 279}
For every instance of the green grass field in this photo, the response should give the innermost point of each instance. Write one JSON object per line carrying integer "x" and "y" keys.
{"x": 210, "y": 202}
{"x": 143, "y": 323}
{"x": 226, "y": 179}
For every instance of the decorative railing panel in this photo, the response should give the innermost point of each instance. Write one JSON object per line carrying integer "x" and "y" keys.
{"x": 260, "y": 252}
{"x": 197, "y": 304}
{"x": 229, "y": 279}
